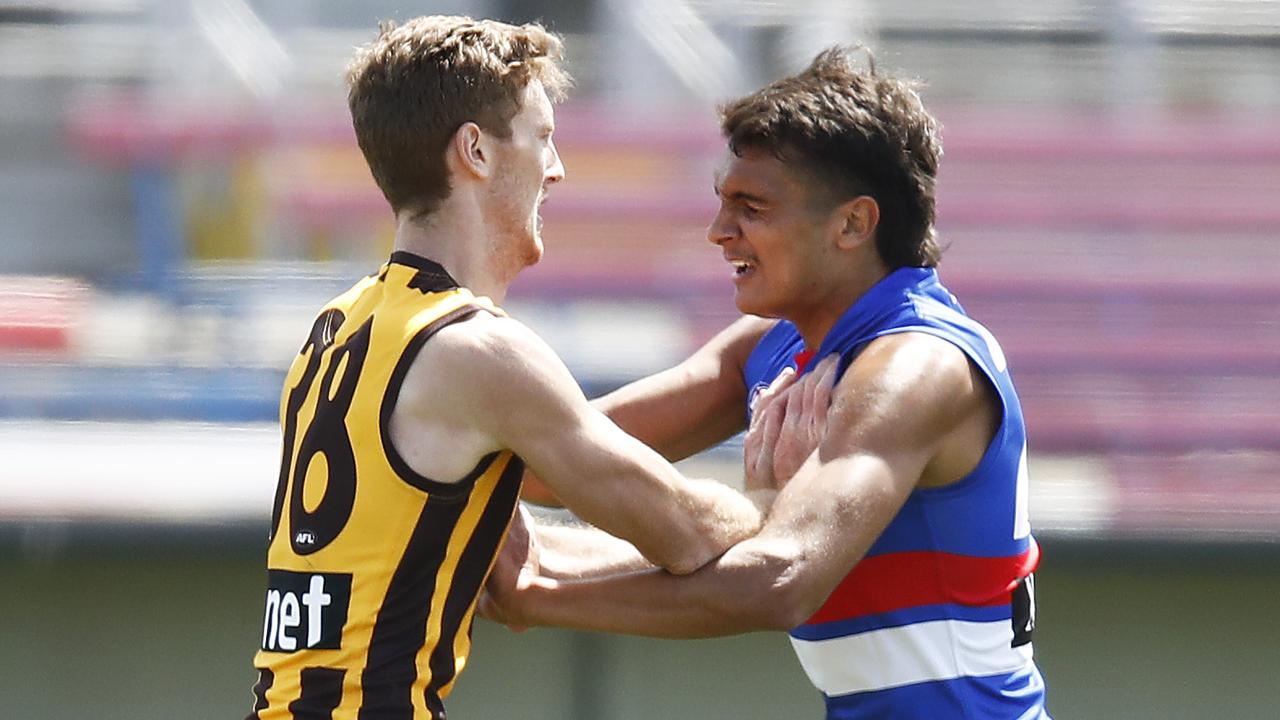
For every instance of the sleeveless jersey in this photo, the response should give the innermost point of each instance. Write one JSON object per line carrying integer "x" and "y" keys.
{"x": 372, "y": 569}
{"x": 935, "y": 621}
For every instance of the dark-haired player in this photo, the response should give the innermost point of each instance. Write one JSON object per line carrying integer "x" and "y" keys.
{"x": 899, "y": 556}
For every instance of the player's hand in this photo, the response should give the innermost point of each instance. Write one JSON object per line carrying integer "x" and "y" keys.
{"x": 516, "y": 565}
{"x": 762, "y": 435}
{"x": 804, "y": 420}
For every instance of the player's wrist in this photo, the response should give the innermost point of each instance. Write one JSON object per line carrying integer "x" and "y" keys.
{"x": 762, "y": 499}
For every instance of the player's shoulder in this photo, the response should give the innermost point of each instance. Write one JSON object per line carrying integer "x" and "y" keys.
{"x": 915, "y": 351}
{"x": 488, "y": 346}
{"x": 486, "y": 333}
{"x": 908, "y": 389}
{"x": 347, "y": 299}
{"x": 921, "y": 366}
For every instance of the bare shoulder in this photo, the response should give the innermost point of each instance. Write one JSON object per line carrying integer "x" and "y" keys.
{"x": 483, "y": 355}
{"x": 468, "y": 383}
{"x": 912, "y": 361}
{"x": 913, "y": 387}
{"x": 485, "y": 339}
{"x": 491, "y": 370}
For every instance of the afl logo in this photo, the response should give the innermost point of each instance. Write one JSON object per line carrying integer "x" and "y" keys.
{"x": 754, "y": 394}
{"x": 304, "y": 537}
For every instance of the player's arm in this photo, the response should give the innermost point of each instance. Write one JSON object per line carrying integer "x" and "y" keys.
{"x": 684, "y": 409}
{"x": 574, "y": 553}
{"x": 891, "y": 413}
{"x": 514, "y": 389}
{"x": 784, "y": 431}
{"x": 696, "y": 404}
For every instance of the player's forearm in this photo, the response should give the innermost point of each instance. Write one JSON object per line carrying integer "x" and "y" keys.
{"x": 570, "y": 553}
{"x": 580, "y": 552}
{"x": 639, "y": 603}
{"x": 741, "y": 592}
{"x": 727, "y": 516}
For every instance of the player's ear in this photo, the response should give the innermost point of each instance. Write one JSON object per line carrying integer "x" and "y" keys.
{"x": 858, "y": 219}
{"x": 470, "y": 151}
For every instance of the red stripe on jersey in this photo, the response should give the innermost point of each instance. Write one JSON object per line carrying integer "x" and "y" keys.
{"x": 802, "y": 359}
{"x": 894, "y": 581}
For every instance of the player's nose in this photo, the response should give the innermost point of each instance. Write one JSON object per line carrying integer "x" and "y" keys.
{"x": 722, "y": 229}
{"x": 555, "y": 171}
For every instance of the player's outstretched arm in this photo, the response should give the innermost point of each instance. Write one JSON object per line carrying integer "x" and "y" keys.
{"x": 510, "y": 386}
{"x": 694, "y": 405}
{"x": 788, "y": 423}
{"x": 901, "y": 401}
{"x": 687, "y": 408}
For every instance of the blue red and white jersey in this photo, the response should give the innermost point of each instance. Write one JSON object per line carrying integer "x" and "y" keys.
{"x": 935, "y": 621}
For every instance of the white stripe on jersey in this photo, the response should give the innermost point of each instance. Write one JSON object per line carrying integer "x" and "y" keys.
{"x": 891, "y": 657}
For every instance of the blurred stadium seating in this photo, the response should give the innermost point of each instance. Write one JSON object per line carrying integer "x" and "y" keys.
{"x": 1128, "y": 269}
{"x": 181, "y": 192}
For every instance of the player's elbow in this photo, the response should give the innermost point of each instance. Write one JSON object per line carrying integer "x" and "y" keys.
{"x": 793, "y": 606}
{"x": 698, "y": 546}
{"x": 684, "y": 560}
{"x": 775, "y": 595}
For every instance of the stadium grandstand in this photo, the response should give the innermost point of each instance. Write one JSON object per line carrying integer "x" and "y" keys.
{"x": 181, "y": 191}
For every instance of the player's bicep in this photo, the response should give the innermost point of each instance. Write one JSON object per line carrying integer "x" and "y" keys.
{"x": 827, "y": 518}
{"x": 898, "y": 400}
{"x": 527, "y": 400}
{"x": 696, "y": 404}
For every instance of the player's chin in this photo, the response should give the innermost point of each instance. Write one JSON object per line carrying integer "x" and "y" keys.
{"x": 535, "y": 250}
{"x": 749, "y": 303}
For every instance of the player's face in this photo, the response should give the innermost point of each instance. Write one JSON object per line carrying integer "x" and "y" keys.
{"x": 771, "y": 235}
{"x": 528, "y": 166}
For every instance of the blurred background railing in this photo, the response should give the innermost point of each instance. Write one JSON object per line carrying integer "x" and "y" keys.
{"x": 180, "y": 191}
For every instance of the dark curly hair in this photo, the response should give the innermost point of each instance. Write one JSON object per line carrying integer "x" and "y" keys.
{"x": 859, "y": 133}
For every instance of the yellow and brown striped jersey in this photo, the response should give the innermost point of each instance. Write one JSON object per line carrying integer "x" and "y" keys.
{"x": 372, "y": 569}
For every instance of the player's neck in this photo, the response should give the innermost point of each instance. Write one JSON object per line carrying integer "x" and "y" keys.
{"x": 457, "y": 240}
{"x": 818, "y": 317}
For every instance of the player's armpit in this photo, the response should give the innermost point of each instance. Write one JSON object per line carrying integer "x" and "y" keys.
{"x": 533, "y": 490}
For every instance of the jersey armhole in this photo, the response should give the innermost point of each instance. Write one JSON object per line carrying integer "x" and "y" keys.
{"x": 992, "y": 450}
{"x": 443, "y": 490}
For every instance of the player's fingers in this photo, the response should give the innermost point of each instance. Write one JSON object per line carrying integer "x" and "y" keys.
{"x": 804, "y": 395}
{"x": 755, "y": 430}
{"x": 779, "y": 385}
{"x": 823, "y": 379}
{"x": 762, "y": 433}
{"x": 782, "y": 441}
{"x": 794, "y": 401}
{"x": 823, "y": 387}
{"x": 757, "y": 447}
{"x": 769, "y": 434}
{"x": 795, "y": 423}
{"x": 772, "y": 427}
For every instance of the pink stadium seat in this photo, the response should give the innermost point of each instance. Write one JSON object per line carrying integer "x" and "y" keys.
{"x": 37, "y": 314}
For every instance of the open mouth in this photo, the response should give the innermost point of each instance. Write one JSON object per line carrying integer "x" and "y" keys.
{"x": 742, "y": 268}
